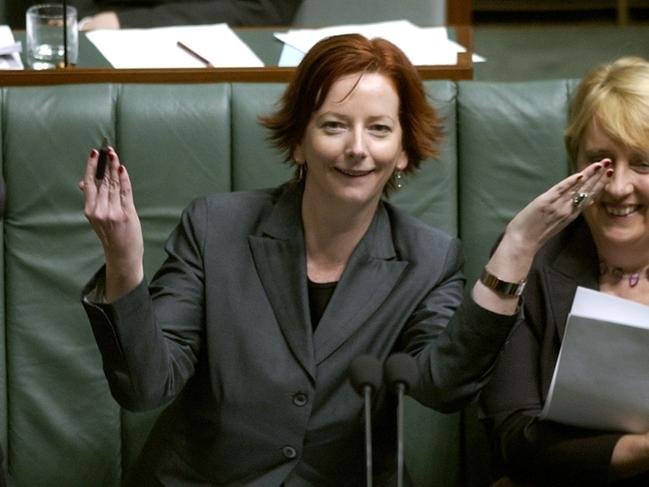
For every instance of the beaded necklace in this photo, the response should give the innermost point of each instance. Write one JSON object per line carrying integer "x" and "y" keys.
{"x": 618, "y": 274}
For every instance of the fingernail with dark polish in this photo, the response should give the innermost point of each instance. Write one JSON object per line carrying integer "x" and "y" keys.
{"x": 597, "y": 167}
{"x": 120, "y": 169}
{"x": 607, "y": 163}
{"x": 93, "y": 153}
{"x": 111, "y": 155}
{"x": 609, "y": 173}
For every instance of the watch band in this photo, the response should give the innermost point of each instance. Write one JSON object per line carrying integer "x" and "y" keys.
{"x": 502, "y": 287}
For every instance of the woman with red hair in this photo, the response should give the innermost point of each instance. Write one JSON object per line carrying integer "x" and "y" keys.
{"x": 266, "y": 297}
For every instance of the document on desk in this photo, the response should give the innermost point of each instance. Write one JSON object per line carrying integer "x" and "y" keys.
{"x": 601, "y": 380}
{"x": 158, "y": 47}
{"x": 422, "y": 45}
{"x": 9, "y": 50}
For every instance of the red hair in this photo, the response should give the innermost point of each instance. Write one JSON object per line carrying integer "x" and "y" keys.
{"x": 338, "y": 56}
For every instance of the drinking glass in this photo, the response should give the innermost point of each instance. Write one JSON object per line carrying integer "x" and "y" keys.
{"x": 45, "y": 39}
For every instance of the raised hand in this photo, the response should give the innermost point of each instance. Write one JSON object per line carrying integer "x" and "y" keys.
{"x": 109, "y": 206}
{"x": 550, "y": 212}
{"x": 526, "y": 233}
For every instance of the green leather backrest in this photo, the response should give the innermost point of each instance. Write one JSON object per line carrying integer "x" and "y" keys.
{"x": 58, "y": 407}
{"x": 255, "y": 164}
{"x": 63, "y": 427}
{"x": 511, "y": 150}
{"x": 433, "y": 444}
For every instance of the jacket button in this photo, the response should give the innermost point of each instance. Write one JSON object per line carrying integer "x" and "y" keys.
{"x": 289, "y": 452}
{"x": 300, "y": 399}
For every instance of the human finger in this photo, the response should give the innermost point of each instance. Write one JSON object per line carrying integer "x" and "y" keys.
{"x": 87, "y": 184}
{"x": 592, "y": 185}
{"x": 108, "y": 186}
{"x": 114, "y": 186}
{"x": 562, "y": 191}
{"x": 567, "y": 185}
{"x": 126, "y": 190}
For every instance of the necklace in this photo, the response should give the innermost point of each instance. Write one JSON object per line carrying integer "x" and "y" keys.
{"x": 618, "y": 274}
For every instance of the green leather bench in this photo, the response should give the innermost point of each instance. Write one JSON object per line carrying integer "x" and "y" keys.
{"x": 59, "y": 426}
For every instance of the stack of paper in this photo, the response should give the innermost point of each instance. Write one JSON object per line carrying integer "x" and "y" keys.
{"x": 601, "y": 380}
{"x": 422, "y": 45}
{"x": 158, "y": 47}
{"x": 9, "y": 50}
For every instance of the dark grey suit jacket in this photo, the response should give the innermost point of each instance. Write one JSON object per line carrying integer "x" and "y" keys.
{"x": 224, "y": 332}
{"x": 544, "y": 452}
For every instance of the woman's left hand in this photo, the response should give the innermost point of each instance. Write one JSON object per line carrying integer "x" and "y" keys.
{"x": 526, "y": 233}
{"x": 553, "y": 210}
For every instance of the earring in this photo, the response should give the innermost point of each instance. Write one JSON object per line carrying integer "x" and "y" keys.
{"x": 301, "y": 170}
{"x": 398, "y": 178}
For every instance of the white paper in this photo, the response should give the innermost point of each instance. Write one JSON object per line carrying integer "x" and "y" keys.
{"x": 9, "y": 50}
{"x": 157, "y": 47}
{"x": 601, "y": 380}
{"x": 423, "y": 46}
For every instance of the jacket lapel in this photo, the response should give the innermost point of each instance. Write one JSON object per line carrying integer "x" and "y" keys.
{"x": 370, "y": 276}
{"x": 575, "y": 265}
{"x": 278, "y": 253}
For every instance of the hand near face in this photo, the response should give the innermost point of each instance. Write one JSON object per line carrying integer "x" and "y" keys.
{"x": 108, "y": 205}
{"x": 544, "y": 217}
{"x": 553, "y": 210}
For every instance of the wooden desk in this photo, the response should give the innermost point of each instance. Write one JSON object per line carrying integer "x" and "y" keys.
{"x": 94, "y": 68}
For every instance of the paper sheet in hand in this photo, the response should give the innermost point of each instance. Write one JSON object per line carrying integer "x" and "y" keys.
{"x": 157, "y": 48}
{"x": 601, "y": 380}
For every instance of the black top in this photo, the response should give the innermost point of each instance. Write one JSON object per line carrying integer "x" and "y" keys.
{"x": 319, "y": 296}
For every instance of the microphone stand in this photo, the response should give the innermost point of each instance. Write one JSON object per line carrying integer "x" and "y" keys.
{"x": 401, "y": 375}
{"x": 365, "y": 374}
{"x": 401, "y": 389}
{"x": 367, "y": 393}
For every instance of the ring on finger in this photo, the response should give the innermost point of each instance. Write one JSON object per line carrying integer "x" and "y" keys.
{"x": 578, "y": 199}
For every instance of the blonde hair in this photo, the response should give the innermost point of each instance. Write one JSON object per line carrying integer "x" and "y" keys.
{"x": 615, "y": 96}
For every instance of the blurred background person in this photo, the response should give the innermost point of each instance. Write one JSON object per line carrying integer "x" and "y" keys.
{"x": 107, "y": 14}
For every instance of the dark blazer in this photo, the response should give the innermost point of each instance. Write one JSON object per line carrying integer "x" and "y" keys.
{"x": 259, "y": 399}
{"x": 156, "y": 13}
{"x": 544, "y": 452}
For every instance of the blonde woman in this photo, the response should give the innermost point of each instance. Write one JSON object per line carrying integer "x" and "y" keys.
{"x": 608, "y": 250}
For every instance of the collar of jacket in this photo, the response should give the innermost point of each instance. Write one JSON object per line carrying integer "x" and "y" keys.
{"x": 280, "y": 257}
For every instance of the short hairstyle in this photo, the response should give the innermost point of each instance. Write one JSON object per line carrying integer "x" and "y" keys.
{"x": 342, "y": 55}
{"x": 615, "y": 96}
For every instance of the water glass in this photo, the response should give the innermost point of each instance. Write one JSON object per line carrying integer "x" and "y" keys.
{"x": 45, "y": 39}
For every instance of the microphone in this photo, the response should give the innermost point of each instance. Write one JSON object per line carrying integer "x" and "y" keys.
{"x": 400, "y": 375}
{"x": 365, "y": 374}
